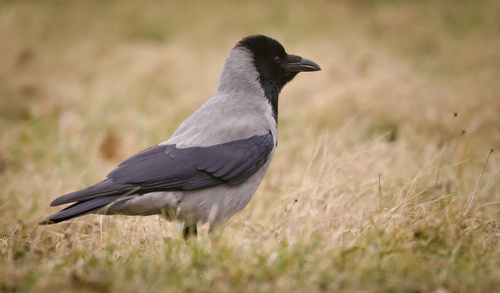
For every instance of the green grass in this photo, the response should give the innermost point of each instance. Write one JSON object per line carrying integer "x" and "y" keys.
{"x": 85, "y": 84}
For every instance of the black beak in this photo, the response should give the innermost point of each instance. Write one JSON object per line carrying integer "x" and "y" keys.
{"x": 298, "y": 64}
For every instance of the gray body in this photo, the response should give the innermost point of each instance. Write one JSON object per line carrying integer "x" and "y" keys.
{"x": 211, "y": 205}
{"x": 237, "y": 111}
{"x": 213, "y": 163}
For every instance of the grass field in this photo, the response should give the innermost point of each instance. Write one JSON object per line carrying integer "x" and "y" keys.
{"x": 374, "y": 186}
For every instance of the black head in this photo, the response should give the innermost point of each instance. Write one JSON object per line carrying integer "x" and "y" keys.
{"x": 275, "y": 67}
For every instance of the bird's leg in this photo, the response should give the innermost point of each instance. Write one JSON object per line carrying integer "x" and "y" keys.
{"x": 190, "y": 231}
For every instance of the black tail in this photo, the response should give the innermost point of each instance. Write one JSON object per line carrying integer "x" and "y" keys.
{"x": 103, "y": 189}
{"x": 89, "y": 200}
{"x": 81, "y": 208}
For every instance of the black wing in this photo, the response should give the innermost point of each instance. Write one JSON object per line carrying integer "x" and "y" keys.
{"x": 168, "y": 168}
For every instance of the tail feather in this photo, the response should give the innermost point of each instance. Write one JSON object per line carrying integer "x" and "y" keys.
{"x": 105, "y": 188}
{"x": 81, "y": 208}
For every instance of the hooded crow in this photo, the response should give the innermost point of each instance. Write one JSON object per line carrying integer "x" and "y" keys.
{"x": 213, "y": 163}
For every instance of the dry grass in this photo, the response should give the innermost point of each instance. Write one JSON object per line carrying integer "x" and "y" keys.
{"x": 84, "y": 84}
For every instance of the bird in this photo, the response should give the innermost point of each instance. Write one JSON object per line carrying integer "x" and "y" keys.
{"x": 213, "y": 163}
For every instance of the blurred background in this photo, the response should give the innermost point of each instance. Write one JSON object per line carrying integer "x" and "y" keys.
{"x": 130, "y": 71}
{"x": 85, "y": 84}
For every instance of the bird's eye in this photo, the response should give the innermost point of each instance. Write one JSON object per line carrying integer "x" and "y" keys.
{"x": 277, "y": 59}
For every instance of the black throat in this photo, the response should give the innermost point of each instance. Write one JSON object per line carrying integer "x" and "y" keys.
{"x": 272, "y": 88}
{"x": 271, "y": 91}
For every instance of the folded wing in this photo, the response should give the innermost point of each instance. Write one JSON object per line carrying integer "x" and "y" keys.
{"x": 168, "y": 168}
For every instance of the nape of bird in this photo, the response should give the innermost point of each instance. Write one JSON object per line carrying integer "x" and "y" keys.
{"x": 213, "y": 163}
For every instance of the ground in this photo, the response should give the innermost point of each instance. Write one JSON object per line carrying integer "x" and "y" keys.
{"x": 383, "y": 179}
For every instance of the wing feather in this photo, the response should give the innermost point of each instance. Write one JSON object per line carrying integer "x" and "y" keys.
{"x": 168, "y": 168}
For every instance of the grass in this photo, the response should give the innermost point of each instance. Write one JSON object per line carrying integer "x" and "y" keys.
{"x": 84, "y": 84}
